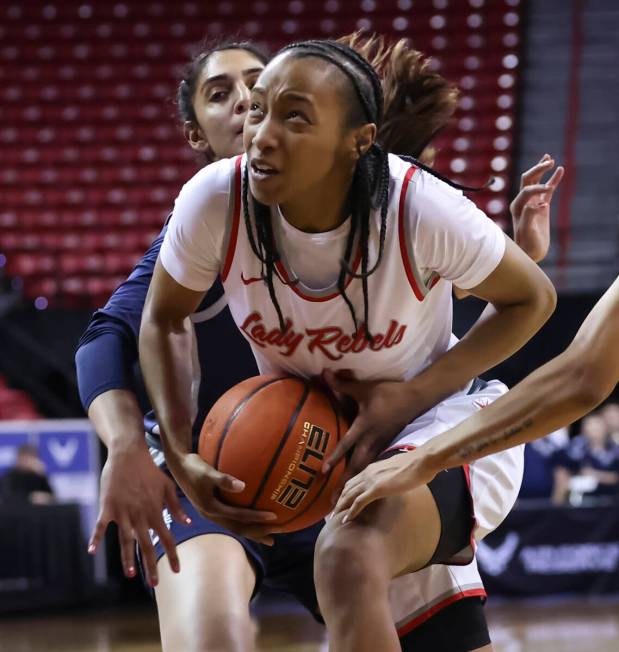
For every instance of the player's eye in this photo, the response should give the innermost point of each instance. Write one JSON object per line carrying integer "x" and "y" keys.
{"x": 297, "y": 116}
{"x": 218, "y": 96}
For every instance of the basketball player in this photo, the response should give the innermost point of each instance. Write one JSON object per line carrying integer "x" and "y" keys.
{"x": 558, "y": 393}
{"x": 134, "y": 491}
{"x": 386, "y": 241}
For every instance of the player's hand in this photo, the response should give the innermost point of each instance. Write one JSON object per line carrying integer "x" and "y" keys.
{"x": 530, "y": 209}
{"x": 384, "y": 408}
{"x": 134, "y": 492}
{"x": 398, "y": 474}
{"x": 200, "y": 482}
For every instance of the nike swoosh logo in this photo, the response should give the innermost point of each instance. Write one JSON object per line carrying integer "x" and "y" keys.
{"x": 251, "y": 279}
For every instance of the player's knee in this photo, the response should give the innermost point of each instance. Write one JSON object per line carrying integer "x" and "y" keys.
{"x": 345, "y": 561}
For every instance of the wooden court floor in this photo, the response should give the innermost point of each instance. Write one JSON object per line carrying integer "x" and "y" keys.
{"x": 566, "y": 626}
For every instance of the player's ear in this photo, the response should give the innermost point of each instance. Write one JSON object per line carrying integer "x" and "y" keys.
{"x": 363, "y": 138}
{"x": 195, "y": 137}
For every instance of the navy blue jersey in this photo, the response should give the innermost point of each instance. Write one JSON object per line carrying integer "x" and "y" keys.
{"x": 107, "y": 354}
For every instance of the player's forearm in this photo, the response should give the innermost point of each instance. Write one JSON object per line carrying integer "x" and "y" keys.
{"x": 551, "y": 397}
{"x": 489, "y": 342}
{"x": 607, "y": 477}
{"x": 165, "y": 359}
{"x": 118, "y": 421}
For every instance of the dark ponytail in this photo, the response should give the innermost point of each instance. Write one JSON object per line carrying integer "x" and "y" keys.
{"x": 418, "y": 102}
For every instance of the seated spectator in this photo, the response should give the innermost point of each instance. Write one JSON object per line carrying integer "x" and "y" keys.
{"x": 610, "y": 412}
{"x": 592, "y": 454}
{"x": 538, "y": 464}
{"x": 26, "y": 481}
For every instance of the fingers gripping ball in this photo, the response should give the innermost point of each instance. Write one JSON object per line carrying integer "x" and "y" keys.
{"x": 273, "y": 433}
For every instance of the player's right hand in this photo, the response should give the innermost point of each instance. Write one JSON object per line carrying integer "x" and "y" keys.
{"x": 200, "y": 482}
{"x": 134, "y": 492}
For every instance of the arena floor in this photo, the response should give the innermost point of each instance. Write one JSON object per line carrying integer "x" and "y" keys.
{"x": 537, "y": 626}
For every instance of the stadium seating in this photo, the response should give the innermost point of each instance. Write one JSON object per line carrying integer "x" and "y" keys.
{"x": 92, "y": 159}
{"x": 15, "y": 404}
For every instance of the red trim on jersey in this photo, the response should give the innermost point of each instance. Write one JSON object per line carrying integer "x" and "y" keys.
{"x": 426, "y": 615}
{"x": 434, "y": 281}
{"x": 402, "y": 235}
{"x": 236, "y": 215}
{"x": 297, "y": 290}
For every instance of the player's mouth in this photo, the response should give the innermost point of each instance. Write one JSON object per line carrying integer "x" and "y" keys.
{"x": 261, "y": 170}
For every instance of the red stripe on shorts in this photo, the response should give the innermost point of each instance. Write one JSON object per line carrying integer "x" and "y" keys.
{"x": 426, "y": 615}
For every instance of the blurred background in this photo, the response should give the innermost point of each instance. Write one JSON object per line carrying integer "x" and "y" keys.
{"x": 91, "y": 158}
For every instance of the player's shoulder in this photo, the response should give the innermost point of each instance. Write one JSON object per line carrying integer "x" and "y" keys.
{"x": 421, "y": 182}
{"x": 213, "y": 178}
{"x": 425, "y": 193}
{"x": 206, "y": 196}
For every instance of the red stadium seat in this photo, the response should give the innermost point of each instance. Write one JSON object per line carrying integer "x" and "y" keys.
{"x": 92, "y": 159}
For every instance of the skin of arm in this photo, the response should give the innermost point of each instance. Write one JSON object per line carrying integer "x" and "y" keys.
{"x": 558, "y": 393}
{"x": 133, "y": 489}
{"x": 165, "y": 359}
{"x": 165, "y": 347}
{"x": 118, "y": 420}
{"x": 523, "y": 297}
{"x": 603, "y": 477}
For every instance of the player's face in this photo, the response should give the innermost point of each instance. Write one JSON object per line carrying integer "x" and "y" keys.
{"x": 222, "y": 97}
{"x": 611, "y": 416}
{"x": 294, "y": 135}
{"x": 594, "y": 429}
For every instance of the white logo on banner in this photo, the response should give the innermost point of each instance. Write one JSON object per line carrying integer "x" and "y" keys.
{"x": 494, "y": 561}
{"x": 8, "y": 455}
{"x": 571, "y": 558}
{"x": 63, "y": 453}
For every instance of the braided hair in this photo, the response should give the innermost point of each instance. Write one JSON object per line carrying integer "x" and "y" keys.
{"x": 369, "y": 189}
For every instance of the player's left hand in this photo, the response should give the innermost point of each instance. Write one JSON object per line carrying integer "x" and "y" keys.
{"x": 396, "y": 475}
{"x": 530, "y": 209}
{"x": 384, "y": 408}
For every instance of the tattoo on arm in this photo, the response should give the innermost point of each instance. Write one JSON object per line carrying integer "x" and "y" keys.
{"x": 470, "y": 450}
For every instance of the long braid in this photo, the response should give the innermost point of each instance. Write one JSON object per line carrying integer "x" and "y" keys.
{"x": 345, "y": 263}
{"x": 263, "y": 216}
{"x": 263, "y": 249}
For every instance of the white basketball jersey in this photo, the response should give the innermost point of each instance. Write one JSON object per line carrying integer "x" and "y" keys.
{"x": 410, "y": 315}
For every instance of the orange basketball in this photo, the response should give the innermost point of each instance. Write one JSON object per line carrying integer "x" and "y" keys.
{"x": 274, "y": 433}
